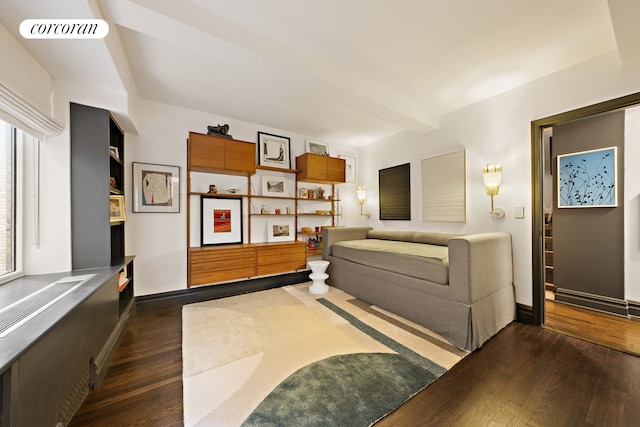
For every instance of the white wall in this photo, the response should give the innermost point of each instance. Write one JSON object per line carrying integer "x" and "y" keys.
{"x": 498, "y": 130}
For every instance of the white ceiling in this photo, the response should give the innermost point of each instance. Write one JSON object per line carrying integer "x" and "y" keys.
{"x": 344, "y": 71}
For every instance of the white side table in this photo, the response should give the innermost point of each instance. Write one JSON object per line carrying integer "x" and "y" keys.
{"x": 318, "y": 276}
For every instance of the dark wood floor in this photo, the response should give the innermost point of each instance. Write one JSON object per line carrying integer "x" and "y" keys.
{"x": 612, "y": 331}
{"x": 526, "y": 375}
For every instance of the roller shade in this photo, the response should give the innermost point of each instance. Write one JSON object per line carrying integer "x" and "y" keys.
{"x": 22, "y": 114}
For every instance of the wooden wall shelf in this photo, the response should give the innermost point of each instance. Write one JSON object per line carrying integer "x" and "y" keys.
{"x": 222, "y": 263}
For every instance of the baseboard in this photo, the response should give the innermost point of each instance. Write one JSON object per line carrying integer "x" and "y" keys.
{"x": 524, "y": 314}
{"x": 595, "y": 302}
{"x": 634, "y": 308}
{"x": 209, "y": 292}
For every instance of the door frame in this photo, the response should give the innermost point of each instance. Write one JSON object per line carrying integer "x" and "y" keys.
{"x": 537, "y": 187}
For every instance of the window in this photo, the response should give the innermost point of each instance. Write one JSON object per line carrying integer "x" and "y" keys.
{"x": 7, "y": 199}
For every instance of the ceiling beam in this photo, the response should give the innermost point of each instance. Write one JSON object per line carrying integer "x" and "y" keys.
{"x": 624, "y": 18}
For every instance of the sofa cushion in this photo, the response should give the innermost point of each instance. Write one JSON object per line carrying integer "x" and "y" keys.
{"x": 402, "y": 236}
{"x": 428, "y": 262}
{"x": 441, "y": 239}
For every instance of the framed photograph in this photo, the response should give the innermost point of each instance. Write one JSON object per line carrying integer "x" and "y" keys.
{"x": 114, "y": 152}
{"x": 117, "y": 211}
{"x": 349, "y": 167}
{"x": 275, "y": 186}
{"x": 588, "y": 179}
{"x": 156, "y": 188}
{"x": 282, "y": 230}
{"x": 317, "y": 147}
{"x": 274, "y": 151}
{"x": 220, "y": 220}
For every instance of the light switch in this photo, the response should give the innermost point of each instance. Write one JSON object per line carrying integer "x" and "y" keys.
{"x": 518, "y": 212}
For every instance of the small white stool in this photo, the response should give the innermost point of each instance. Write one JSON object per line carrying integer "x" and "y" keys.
{"x": 318, "y": 276}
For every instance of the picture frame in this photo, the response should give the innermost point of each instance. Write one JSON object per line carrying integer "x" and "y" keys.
{"x": 275, "y": 186}
{"x": 274, "y": 150}
{"x": 220, "y": 220}
{"x": 281, "y": 230}
{"x": 156, "y": 188}
{"x": 349, "y": 167}
{"x": 588, "y": 179}
{"x": 114, "y": 152}
{"x": 317, "y": 147}
{"x": 117, "y": 210}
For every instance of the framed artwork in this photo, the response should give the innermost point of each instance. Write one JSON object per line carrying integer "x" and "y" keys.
{"x": 394, "y": 186}
{"x": 274, "y": 151}
{"x": 220, "y": 220}
{"x": 444, "y": 187}
{"x": 117, "y": 211}
{"x": 588, "y": 179}
{"x": 282, "y": 230}
{"x": 317, "y": 147}
{"x": 349, "y": 167}
{"x": 156, "y": 188}
{"x": 275, "y": 186}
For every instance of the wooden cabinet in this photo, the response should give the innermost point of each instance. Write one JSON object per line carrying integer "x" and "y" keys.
{"x": 219, "y": 264}
{"x": 273, "y": 258}
{"x": 214, "y": 264}
{"x": 209, "y": 265}
{"x": 321, "y": 169}
{"x": 212, "y": 154}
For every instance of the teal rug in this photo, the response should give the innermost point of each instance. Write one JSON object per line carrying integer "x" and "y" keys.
{"x": 285, "y": 357}
{"x": 347, "y": 390}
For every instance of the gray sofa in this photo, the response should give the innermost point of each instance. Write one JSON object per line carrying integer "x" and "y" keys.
{"x": 459, "y": 286}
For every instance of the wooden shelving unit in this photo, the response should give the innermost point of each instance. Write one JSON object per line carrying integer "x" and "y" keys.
{"x": 221, "y": 263}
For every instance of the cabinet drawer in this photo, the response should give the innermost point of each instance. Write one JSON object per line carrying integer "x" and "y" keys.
{"x": 335, "y": 169}
{"x": 323, "y": 169}
{"x": 218, "y": 265}
{"x": 280, "y": 258}
{"x": 205, "y": 153}
{"x": 240, "y": 156}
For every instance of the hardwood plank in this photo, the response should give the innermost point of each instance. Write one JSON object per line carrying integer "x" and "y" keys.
{"x": 525, "y": 375}
{"x": 143, "y": 385}
{"x": 612, "y": 331}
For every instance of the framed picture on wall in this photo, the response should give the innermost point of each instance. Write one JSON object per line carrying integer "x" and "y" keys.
{"x": 588, "y": 179}
{"x": 156, "y": 188}
{"x": 394, "y": 186}
{"x": 349, "y": 167}
{"x": 274, "y": 150}
{"x": 317, "y": 147}
{"x": 276, "y": 186}
{"x": 282, "y": 230}
{"x": 220, "y": 220}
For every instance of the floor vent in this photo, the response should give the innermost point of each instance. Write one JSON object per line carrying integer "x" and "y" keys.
{"x": 20, "y": 312}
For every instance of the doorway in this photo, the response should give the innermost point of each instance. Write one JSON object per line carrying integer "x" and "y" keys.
{"x": 540, "y": 216}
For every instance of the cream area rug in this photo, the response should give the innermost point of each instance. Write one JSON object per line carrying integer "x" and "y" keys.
{"x": 286, "y": 357}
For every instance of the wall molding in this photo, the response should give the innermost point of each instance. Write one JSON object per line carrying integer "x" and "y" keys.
{"x": 595, "y": 302}
{"x": 634, "y": 308}
{"x": 215, "y": 291}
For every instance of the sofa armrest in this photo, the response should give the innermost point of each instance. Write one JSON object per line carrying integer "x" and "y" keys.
{"x": 479, "y": 265}
{"x": 338, "y": 234}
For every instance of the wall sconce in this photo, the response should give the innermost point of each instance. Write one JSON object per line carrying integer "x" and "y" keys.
{"x": 362, "y": 193}
{"x": 492, "y": 174}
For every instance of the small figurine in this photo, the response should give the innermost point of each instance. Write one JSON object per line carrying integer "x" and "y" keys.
{"x": 220, "y": 130}
{"x": 213, "y": 189}
{"x": 263, "y": 209}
